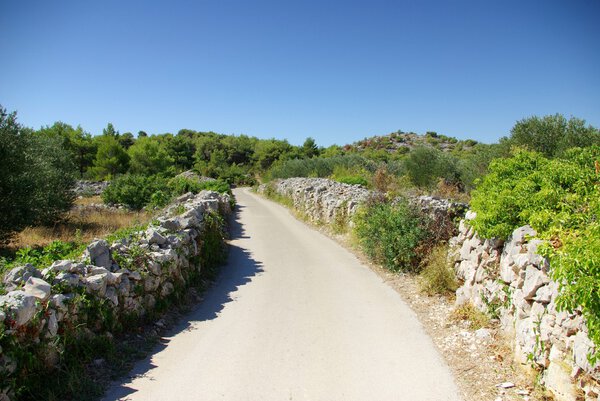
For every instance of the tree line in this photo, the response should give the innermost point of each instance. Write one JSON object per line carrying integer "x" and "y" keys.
{"x": 39, "y": 167}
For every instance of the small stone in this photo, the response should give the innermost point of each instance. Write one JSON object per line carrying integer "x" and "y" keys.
{"x": 111, "y": 295}
{"x": 167, "y": 289}
{"x": 470, "y": 215}
{"x": 19, "y": 275}
{"x": 534, "y": 279}
{"x": 61, "y": 265}
{"x": 95, "y": 270}
{"x": 99, "y": 254}
{"x": 52, "y": 324}
{"x": 97, "y": 284}
{"x": 58, "y": 301}
{"x": 19, "y": 305}
{"x": 154, "y": 237}
{"x": 135, "y": 275}
{"x": 69, "y": 279}
{"x": 506, "y": 385}
{"x": 483, "y": 333}
{"x": 154, "y": 267}
{"x": 37, "y": 288}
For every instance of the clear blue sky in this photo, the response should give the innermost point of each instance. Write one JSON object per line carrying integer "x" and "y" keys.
{"x": 334, "y": 70}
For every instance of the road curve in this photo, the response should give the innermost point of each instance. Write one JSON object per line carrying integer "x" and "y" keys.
{"x": 293, "y": 316}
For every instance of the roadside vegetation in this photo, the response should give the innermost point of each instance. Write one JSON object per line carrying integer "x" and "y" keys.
{"x": 546, "y": 173}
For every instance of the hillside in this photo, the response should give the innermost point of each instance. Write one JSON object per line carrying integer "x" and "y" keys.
{"x": 402, "y": 142}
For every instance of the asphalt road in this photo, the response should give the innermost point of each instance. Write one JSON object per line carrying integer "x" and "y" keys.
{"x": 293, "y": 316}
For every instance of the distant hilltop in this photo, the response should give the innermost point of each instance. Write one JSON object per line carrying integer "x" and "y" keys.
{"x": 403, "y": 142}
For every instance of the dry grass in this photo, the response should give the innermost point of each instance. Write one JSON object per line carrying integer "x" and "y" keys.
{"x": 83, "y": 223}
{"x": 438, "y": 275}
{"x": 476, "y": 318}
{"x": 449, "y": 191}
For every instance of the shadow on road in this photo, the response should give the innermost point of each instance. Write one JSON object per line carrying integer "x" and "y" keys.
{"x": 239, "y": 270}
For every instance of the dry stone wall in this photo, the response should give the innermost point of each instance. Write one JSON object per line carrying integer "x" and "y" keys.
{"x": 320, "y": 199}
{"x": 509, "y": 280}
{"x": 323, "y": 200}
{"x": 122, "y": 279}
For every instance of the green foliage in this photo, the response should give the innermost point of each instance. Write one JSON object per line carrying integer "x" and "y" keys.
{"x": 351, "y": 175}
{"x": 76, "y": 141}
{"x": 44, "y": 257}
{"x": 133, "y": 191}
{"x": 37, "y": 175}
{"x": 159, "y": 199}
{"x": 353, "y": 180}
{"x": 310, "y": 148}
{"x": 553, "y": 135}
{"x": 425, "y": 165}
{"x": 127, "y": 232}
{"x": 528, "y": 188}
{"x": 390, "y": 233}
{"x": 181, "y": 149}
{"x": 111, "y": 158}
{"x": 576, "y": 266}
{"x": 149, "y": 157}
{"x": 560, "y": 199}
{"x": 321, "y": 166}
{"x": 213, "y": 251}
{"x": 267, "y": 152}
{"x": 182, "y": 185}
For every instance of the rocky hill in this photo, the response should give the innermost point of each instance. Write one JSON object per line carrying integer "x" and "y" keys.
{"x": 403, "y": 142}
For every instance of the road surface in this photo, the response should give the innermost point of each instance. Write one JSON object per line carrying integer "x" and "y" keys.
{"x": 293, "y": 316}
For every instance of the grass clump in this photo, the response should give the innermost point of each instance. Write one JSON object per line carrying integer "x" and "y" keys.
{"x": 468, "y": 312}
{"x": 437, "y": 276}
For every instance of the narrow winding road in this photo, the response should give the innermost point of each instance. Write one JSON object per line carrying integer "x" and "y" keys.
{"x": 294, "y": 316}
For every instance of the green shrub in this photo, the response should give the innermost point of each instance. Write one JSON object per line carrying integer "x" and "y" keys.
{"x": 182, "y": 185}
{"x": 159, "y": 199}
{"x": 213, "y": 250}
{"x": 560, "y": 199}
{"x": 321, "y": 166}
{"x": 353, "y": 180}
{"x": 390, "y": 233}
{"x": 553, "y": 135}
{"x": 133, "y": 191}
{"x": 528, "y": 188}
{"x": 36, "y": 177}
